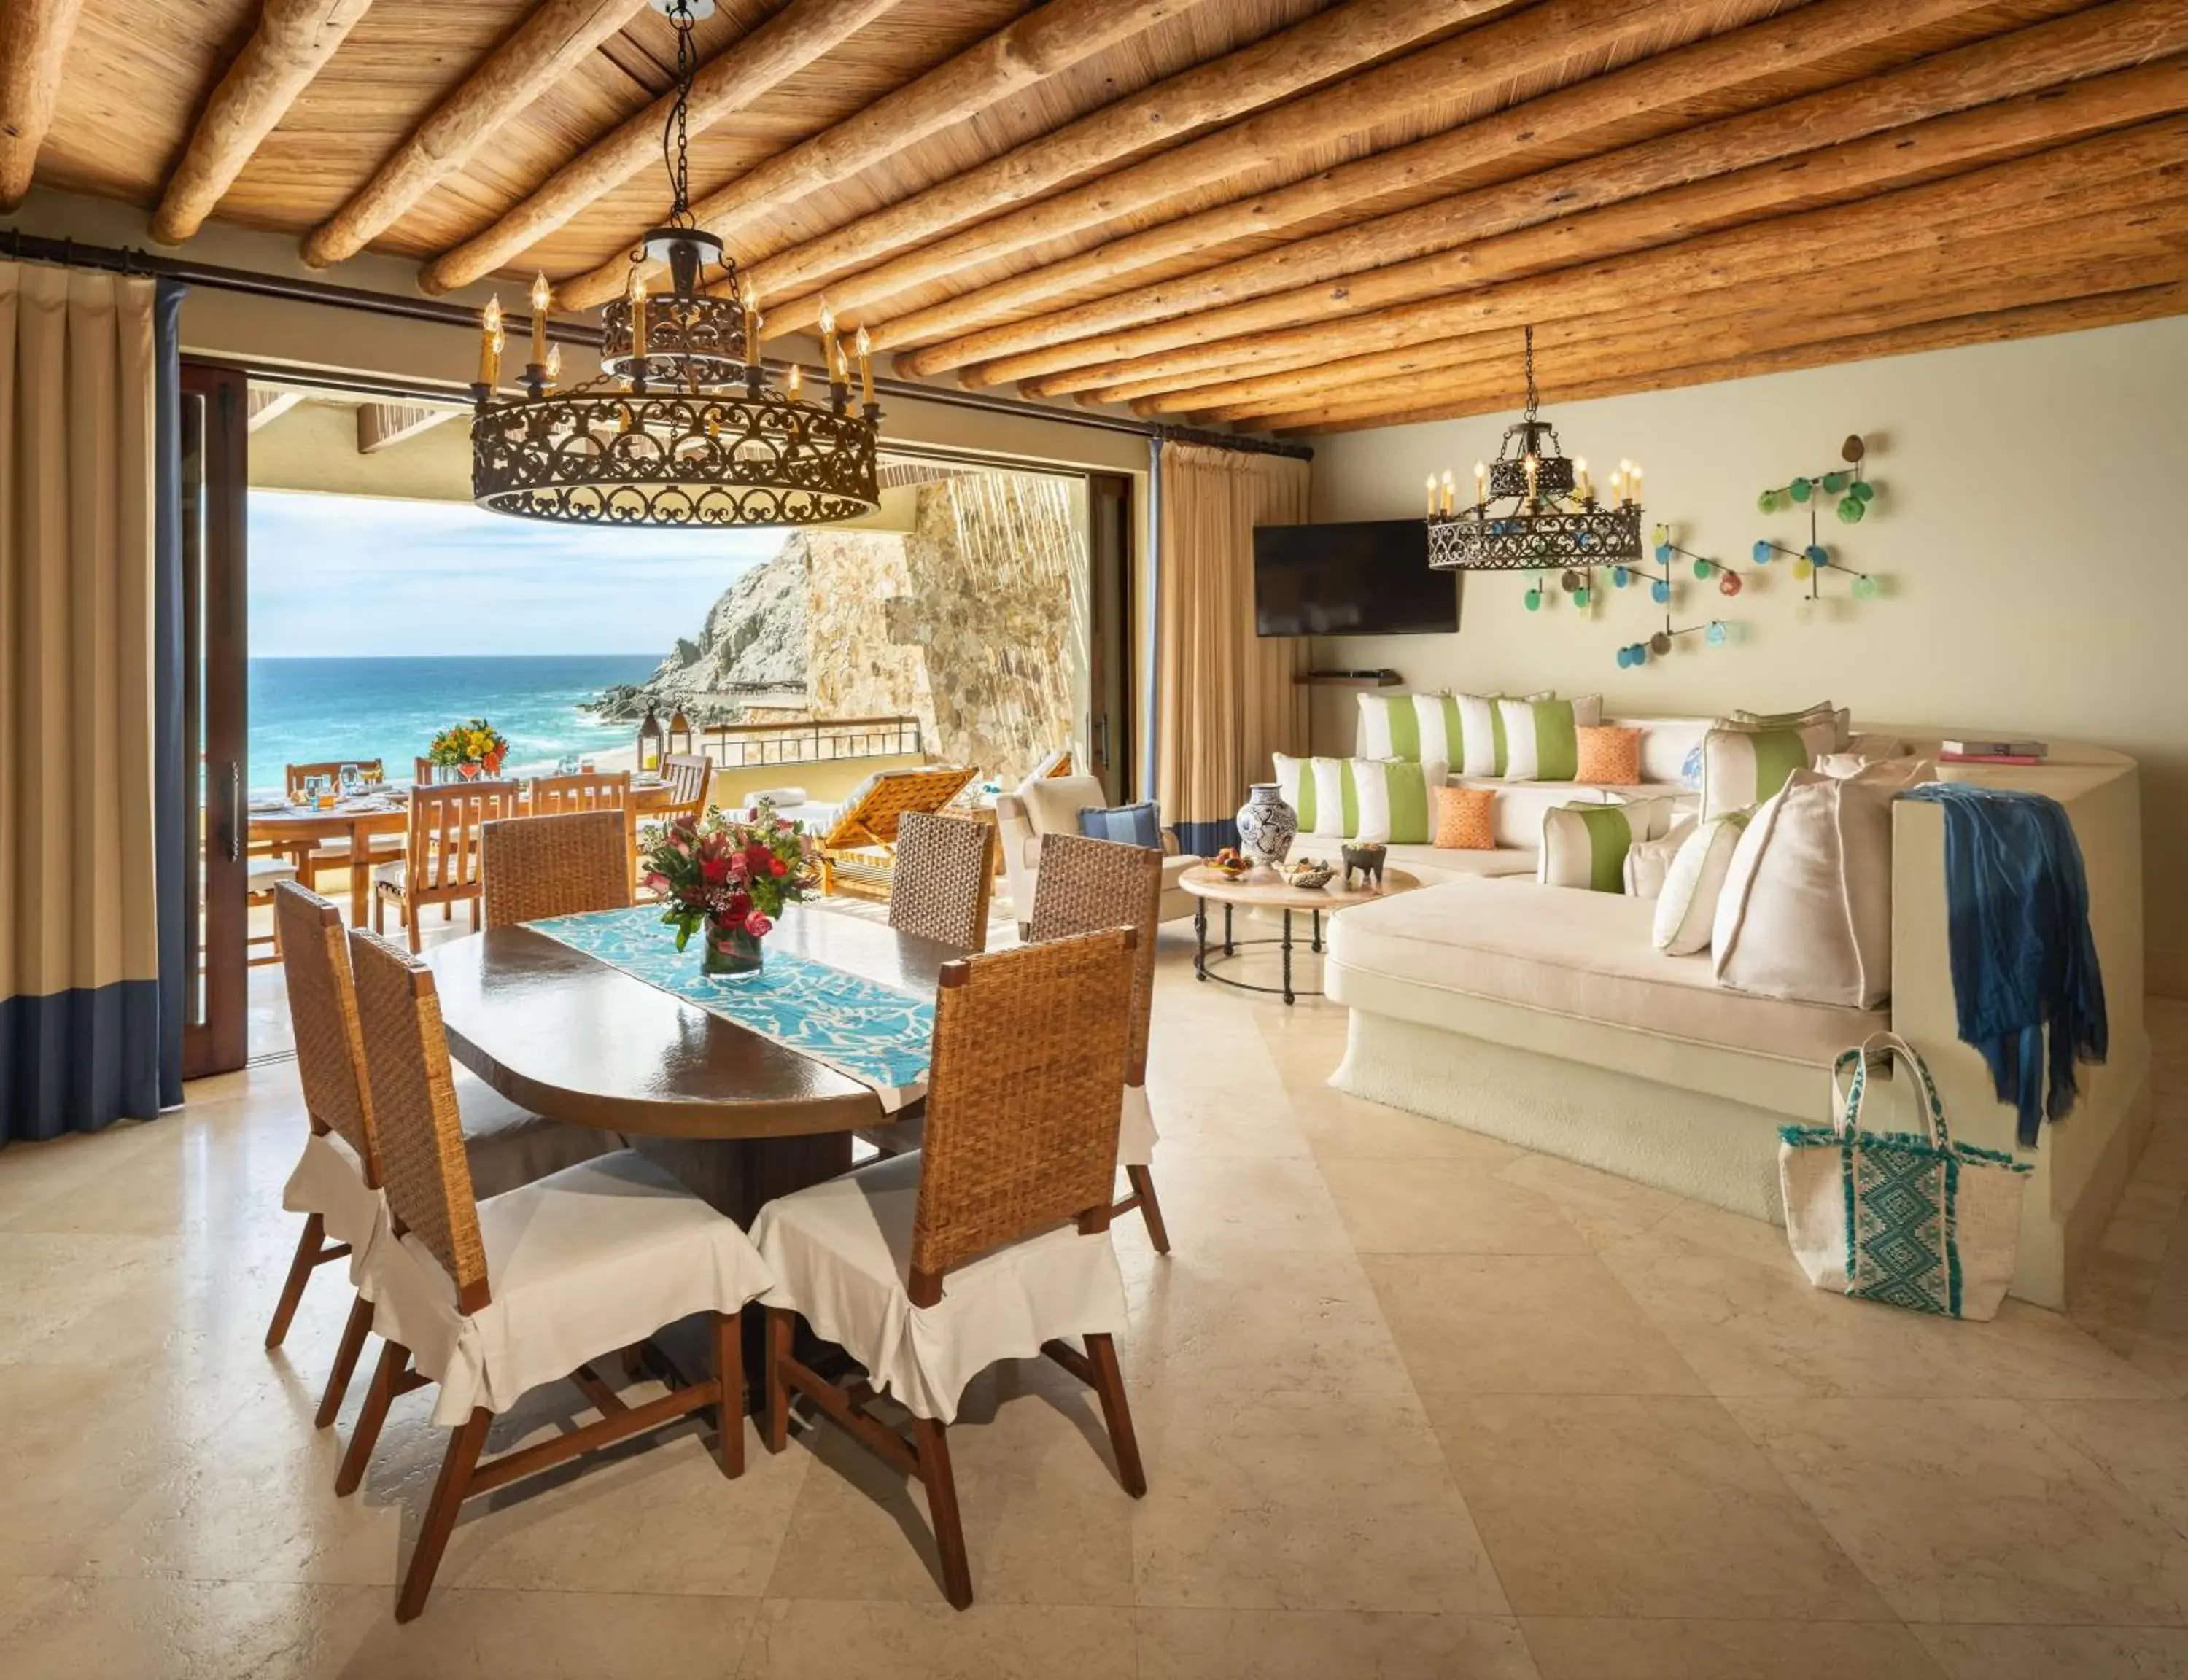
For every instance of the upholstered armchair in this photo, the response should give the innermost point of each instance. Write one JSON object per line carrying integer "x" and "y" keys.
{"x": 1050, "y": 804}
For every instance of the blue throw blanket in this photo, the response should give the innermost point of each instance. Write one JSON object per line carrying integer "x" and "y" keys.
{"x": 2023, "y": 961}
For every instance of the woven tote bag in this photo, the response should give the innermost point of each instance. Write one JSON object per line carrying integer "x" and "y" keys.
{"x": 1911, "y": 1219}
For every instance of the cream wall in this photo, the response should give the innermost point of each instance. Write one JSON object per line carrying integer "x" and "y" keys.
{"x": 2026, "y": 531}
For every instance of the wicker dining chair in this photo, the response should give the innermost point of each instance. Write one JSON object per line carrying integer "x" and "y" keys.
{"x": 440, "y": 861}
{"x": 535, "y": 866}
{"x": 1086, "y": 884}
{"x": 338, "y": 1189}
{"x": 480, "y": 1297}
{"x": 1007, "y": 1211}
{"x": 939, "y": 884}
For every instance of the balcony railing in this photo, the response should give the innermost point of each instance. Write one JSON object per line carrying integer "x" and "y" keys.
{"x": 813, "y": 741}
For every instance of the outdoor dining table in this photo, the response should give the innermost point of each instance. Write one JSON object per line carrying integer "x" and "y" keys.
{"x": 360, "y": 820}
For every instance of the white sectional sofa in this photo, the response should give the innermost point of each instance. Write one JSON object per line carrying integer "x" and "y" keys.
{"x": 1547, "y": 1016}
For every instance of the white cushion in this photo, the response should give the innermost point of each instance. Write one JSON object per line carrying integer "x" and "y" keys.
{"x": 1686, "y": 910}
{"x": 1432, "y": 863}
{"x": 329, "y": 1181}
{"x": 1648, "y": 862}
{"x": 508, "y": 1145}
{"x": 780, "y": 797}
{"x": 840, "y": 1252}
{"x": 1515, "y": 814}
{"x": 1054, "y": 802}
{"x": 1807, "y": 908}
{"x": 1135, "y": 1130}
{"x": 392, "y": 875}
{"x": 594, "y": 1257}
{"x": 1583, "y": 956}
{"x": 1743, "y": 763}
{"x": 1396, "y": 800}
{"x": 1665, "y": 745}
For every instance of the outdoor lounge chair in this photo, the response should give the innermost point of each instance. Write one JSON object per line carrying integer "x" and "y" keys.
{"x": 859, "y": 850}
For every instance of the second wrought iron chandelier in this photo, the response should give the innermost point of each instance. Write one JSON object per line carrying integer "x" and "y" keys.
{"x": 682, "y": 427}
{"x": 1549, "y": 516}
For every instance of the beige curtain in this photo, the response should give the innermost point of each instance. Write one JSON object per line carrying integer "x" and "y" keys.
{"x": 79, "y": 938}
{"x": 1225, "y": 698}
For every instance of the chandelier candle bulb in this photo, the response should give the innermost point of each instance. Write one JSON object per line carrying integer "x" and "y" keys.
{"x": 543, "y": 297}
{"x": 489, "y": 343}
{"x": 554, "y": 362}
{"x": 793, "y": 381}
{"x": 1450, "y": 496}
{"x": 864, "y": 345}
{"x": 1480, "y": 484}
{"x": 637, "y": 317}
{"x": 1432, "y": 495}
{"x": 830, "y": 352}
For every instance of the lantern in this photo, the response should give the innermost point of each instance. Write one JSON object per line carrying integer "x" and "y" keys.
{"x": 679, "y": 732}
{"x": 650, "y": 742}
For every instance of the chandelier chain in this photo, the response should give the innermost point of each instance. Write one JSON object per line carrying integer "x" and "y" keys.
{"x": 679, "y": 135}
{"x": 1532, "y": 400}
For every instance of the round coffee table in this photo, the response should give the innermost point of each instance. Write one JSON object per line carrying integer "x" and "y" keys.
{"x": 1265, "y": 889}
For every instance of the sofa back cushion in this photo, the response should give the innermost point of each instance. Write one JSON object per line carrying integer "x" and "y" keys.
{"x": 1743, "y": 764}
{"x": 1139, "y": 825}
{"x": 1585, "y": 845}
{"x": 1053, "y": 803}
{"x": 1461, "y": 730}
{"x": 1686, "y": 910}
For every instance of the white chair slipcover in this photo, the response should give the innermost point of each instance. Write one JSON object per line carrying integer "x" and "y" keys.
{"x": 839, "y": 1253}
{"x": 588, "y": 1259}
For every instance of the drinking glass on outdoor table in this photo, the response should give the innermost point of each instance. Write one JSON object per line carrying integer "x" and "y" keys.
{"x": 352, "y": 781}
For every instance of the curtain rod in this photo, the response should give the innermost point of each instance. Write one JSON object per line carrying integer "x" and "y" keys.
{"x": 71, "y": 253}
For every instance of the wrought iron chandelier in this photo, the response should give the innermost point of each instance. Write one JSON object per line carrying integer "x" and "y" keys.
{"x": 682, "y": 427}
{"x": 1551, "y": 517}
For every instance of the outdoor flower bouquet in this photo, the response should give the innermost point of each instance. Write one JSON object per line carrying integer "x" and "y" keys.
{"x": 730, "y": 876}
{"x": 469, "y": 749}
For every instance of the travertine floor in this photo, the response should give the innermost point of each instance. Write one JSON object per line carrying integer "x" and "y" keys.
{"x": 1414, "y": 1403}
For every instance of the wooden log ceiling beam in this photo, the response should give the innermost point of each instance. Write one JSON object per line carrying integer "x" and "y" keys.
{"x": 1922, "y": 151}
{"x": 2031, "y": 321}
{"x": 1757, "y": 254}
{"x": 2129, "y": 32}
{"x": 729, "y": 81}
{"x": 2079, "y": 256}
{"x": 1333, "y": 43}
{"x": 381, "y": 426}
{"x": 1424, "y": 85}
{"x": 293, "y": 39}
{"x": 549, "y": 44}
{"x": 1654, "y": 89}
{"x": 1042, "y": 44}
{"x": 34, "y": 41}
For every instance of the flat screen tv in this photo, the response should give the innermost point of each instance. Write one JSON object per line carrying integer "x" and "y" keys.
{"x": 1367, "y": 578}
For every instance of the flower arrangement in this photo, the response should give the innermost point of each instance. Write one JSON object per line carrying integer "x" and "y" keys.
{"x": 477, "y": 743}
{"x": 730, "y": 876}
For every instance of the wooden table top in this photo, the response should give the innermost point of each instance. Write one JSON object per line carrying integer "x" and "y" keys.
{"x": 1263, "y": 886}
{"x": 567, "y": 1036}
{"x": 389, "y": 806}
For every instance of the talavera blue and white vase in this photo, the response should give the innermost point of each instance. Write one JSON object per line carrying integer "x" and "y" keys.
{"x": 1267, "y": 824}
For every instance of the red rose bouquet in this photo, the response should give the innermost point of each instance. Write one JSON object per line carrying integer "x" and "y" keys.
{"x": 729, "y": 876}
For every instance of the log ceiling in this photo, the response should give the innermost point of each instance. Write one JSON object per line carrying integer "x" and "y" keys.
{"x": 1285, "y": 216}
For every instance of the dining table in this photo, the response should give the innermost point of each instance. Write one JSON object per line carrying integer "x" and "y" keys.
{"x": 299, "y": 828}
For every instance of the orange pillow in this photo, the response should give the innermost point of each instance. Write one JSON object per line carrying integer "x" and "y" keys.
{"x": 1463, "y": 819}
{"x": 1609, "y": 755}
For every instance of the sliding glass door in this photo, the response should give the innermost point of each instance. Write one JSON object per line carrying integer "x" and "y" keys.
{"x": 215, "y": 405}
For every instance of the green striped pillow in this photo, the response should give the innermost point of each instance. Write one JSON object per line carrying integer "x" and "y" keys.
{"x": 1385, "y": 799}
{"x": 1586, "y": 846}
{"x": 1321, "y": 792}
{"x": 1541, "y": 742}
{"x": 1466, "y": 731}
{"x": 1743, "y": 766}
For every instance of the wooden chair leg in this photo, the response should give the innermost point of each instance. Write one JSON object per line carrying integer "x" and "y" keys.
{"x": 1143, "y": 1186}
{"x": 393, "y": 1356}
{"x": 730, "y": 1373}
{"x": 777, "y": 1434}
{"x": 412, "y": 917}
{"x": 464, "y": 1447}
{"x": 300, "y": 1273}
{"x": 353, "y": 1344}
{"x": 931, "y": 1440}
{"x": 378, "y": 914}
{"x": 1117, "y": 1412}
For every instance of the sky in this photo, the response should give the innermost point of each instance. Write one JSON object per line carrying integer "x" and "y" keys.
{"x": 356, "y": 576}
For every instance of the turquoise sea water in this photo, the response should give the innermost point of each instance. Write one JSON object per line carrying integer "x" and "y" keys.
{"x": 306, "y": 710}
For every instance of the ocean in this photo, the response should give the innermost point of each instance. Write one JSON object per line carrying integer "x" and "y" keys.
{"x": 307, "y": 710}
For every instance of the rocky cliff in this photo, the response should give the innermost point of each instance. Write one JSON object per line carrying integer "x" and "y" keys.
{"x": 754, "y": 637}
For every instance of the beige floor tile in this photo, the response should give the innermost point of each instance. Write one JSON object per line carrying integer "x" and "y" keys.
{"x": 1609, "y": 1649}
{"x": 1596, "y": 1506}
{"x": 1752, "y": 1327}
{"x": 2057, "y": 1653}
{"x": 33, "y": 1172}
{"x": 1446, "y": 1207}
{"x": 1046, "y": 1520}
{"x": 1972, "y": 1510}
{"x": 1523, "y": 1324}
{"x": 1340, "y": 1127}
{"x": 2141, "y": 1444}
{"x": 1325, "y": 1644}
{"x": 1197, "y": 1121}
{"x": 185, "y": 1630}
{"x": 798, "y": 1638}
{"x": 55, "y": 1282}
{"x": 1289, "y": 1500}
{"x": 1250, "y": 1202}
{"x": 1252, "y": 1319}
{"x": 1606, "y": 1208}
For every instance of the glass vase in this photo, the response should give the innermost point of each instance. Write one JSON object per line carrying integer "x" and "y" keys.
{"x": 730, "y": 951}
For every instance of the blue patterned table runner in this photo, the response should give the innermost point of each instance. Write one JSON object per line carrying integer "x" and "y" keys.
{"x": 874, "y": 1035}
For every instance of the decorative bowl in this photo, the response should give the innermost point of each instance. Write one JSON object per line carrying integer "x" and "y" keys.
{"x": 1309, "y": 873}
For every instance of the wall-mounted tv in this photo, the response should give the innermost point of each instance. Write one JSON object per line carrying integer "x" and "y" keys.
{"x": 1367, "y": 579}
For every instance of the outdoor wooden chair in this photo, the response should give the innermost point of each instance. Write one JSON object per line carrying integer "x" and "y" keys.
{"x": 492, "y": 1298}
{"x": 859, "y": 847}
{"x": 293, "y": 776}
{"x": 440, "y": 860}
{"x": 555, "y": 796}
{"x": 1006, "y": 1212}
{"x": 1084, "y": 885}
{"x": 534, "y": 866}
{"x": 940, "y": 883}
{"x": 309, "y": 857}
{"x": 336, "y": 1184}
{"x": 265, "y": 871}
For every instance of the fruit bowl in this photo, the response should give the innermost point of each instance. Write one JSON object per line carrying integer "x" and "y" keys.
{"x": 1309, "y": 873}
{"x": 1230, "y": 865}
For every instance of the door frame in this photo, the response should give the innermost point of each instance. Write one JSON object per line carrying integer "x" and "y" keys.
{"x": 215, "y": 718}
{"x": 1113, "y": 699}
